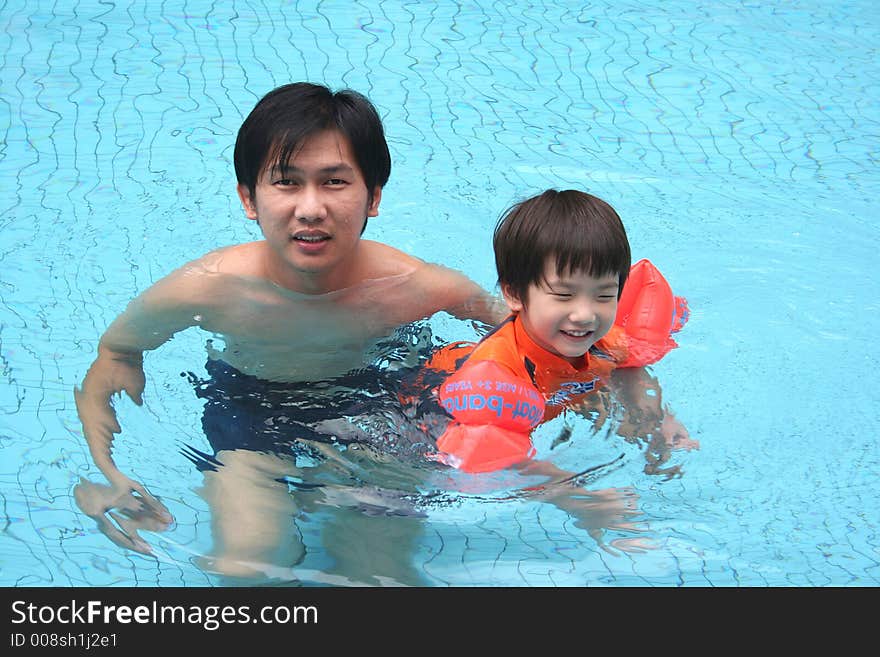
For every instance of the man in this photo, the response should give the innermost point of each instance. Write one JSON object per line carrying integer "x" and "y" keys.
{"x": 305, "y": 303}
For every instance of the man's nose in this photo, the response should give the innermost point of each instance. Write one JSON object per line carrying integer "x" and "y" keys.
{"x": 310, "y": 205}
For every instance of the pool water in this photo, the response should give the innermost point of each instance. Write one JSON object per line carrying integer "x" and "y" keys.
{"x": 737, "y": 140}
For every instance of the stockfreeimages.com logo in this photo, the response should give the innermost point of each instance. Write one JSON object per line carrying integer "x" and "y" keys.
{"x": 210, "y": 617}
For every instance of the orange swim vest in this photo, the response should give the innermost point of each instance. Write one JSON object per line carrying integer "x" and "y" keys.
{"x": 506, "y": 385}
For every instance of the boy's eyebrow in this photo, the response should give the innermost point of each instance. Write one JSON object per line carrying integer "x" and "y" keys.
{"x": 555, "y": 282}
{"x": 566, "y": 283}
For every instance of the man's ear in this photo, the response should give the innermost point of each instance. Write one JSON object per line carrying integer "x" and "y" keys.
{"x": 247, "y": 202}
{"x": 511, "y": 297}
{"x": 373, "y": 209}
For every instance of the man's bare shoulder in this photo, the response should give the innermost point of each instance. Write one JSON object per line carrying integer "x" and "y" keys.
{"x": 383, "y": 260}
{"x": 444, "y": 288}
{"x": 200, "y": 280}
{"x": 237, "y": 260}
{"x": 422, "y": 277}
{"x": 390, "y": 261}
{"x": 439, "y": 279}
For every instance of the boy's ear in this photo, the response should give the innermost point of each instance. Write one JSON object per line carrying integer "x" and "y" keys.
{"x": 373, "y": 209}
{"x": 247, "y": 202}
{"x": 511, "y": 297}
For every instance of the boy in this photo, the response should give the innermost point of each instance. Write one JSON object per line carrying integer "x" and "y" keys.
{"x": 305, "y": 303}
{"x": 562, "y": 259}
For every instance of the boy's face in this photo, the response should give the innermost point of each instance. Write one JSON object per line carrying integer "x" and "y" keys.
{"x": 567, "y": 312}
{"x": 313, "y": 210}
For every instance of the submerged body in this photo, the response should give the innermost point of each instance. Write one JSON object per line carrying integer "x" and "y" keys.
{"x": 280, "y": 334}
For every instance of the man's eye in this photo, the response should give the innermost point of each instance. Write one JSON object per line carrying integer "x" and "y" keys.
{"x": 336, "y": 181}
{"x": 285, "y": 182}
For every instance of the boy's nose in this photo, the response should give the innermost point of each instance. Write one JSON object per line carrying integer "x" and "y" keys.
{"x": 582, "y": 313}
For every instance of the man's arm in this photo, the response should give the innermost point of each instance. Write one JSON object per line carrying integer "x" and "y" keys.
{"x": 112, "y": 373}
{"x": 149, "y": 321}
{"x": 458, "y": 295}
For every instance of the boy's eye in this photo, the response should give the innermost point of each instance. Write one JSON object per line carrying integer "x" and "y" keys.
{"x": 336, "y": 181}
{"x": 285, "y": 182}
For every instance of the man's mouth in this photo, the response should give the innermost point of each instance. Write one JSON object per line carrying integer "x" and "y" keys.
{"x": 311, "y": 239}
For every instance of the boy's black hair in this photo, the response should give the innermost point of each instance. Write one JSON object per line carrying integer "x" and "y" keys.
{"x": 286, "y": 116}
{"x": 582, "y": 233}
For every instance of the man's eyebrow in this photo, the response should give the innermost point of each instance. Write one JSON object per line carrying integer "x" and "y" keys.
{"x": 341, "y": 167}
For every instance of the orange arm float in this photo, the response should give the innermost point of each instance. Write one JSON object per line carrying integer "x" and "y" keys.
{"x": 649, "y": 312}
{"x": 494, "y": 413}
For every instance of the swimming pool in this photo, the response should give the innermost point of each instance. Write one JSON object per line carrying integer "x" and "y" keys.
{"x": 738, "y": 141}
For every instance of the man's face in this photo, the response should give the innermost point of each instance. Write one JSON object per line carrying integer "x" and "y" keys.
{"x": 312, "y": 211}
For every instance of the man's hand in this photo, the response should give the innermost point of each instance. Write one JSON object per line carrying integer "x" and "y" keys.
{"x": 120, "y": 514}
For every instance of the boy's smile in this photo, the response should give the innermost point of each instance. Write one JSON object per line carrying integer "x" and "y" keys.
{"x": 312, "y": 210}
{"x": 567, "y": 313}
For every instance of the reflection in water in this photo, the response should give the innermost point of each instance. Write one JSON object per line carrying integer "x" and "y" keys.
{"x": 337, "y": 471}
